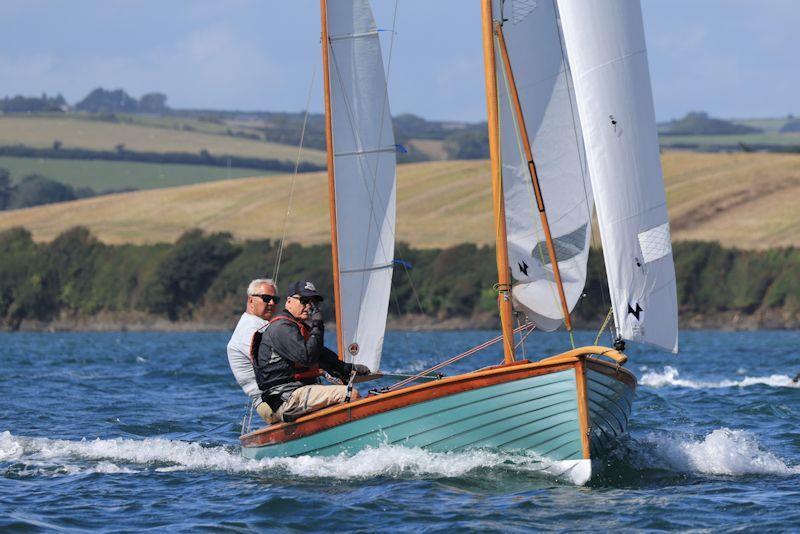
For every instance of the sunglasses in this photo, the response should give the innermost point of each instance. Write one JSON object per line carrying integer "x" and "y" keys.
{"x": 268, "y": 298}
{"x": 304, "y": 300}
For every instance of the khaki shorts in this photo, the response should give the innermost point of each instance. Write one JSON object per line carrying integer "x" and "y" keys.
{"x": 307, "y": 399}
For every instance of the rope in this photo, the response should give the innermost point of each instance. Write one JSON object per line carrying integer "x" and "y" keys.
{"x": 603, "y": 327}
{"x": 531, "y": 327}
{"x": 278, "y": 258}
{"x": 248, "y": 418}
{"x": 454, "y": 359}
{"x": 350, "y": 387}
{"x": 437, "y": 376}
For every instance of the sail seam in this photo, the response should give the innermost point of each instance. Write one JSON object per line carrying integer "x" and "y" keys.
{"x": 345, "y": 36}
{"x": 638, "y": 214}
{"x": 615, "y": 60}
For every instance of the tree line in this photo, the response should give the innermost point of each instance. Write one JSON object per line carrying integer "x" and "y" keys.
{"x": 36, "y": 189}
{"x": 204, "y": 276}
{"x": 120, "y": 153}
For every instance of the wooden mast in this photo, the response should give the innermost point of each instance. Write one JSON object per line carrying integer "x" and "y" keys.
{"x": 331, "y": 179}
{"x": 503, "y": 276}
{"x": 523, "y": 132}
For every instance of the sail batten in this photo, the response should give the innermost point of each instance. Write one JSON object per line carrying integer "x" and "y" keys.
{"x": 364, "y": 164}
{"x": 363, "y": 151}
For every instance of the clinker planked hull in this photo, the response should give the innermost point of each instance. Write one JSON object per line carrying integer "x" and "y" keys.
{"x": 566, "y": 410}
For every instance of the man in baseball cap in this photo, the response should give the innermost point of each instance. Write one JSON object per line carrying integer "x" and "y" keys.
{"x": 292, "y": 355}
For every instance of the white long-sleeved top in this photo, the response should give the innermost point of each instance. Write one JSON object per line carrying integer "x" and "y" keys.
{"x": 239, "y": 354}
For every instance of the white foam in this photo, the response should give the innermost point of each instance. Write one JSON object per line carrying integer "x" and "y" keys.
{"x": 102, "y": 467}
{"x": 669, "y": 376}
{"x": 164, "y": 455}
{"x": 722, "y": 452}
{"x": 10, "y": 448}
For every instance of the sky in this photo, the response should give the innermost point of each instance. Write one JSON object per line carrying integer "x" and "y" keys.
{"x": 731, "y": 58}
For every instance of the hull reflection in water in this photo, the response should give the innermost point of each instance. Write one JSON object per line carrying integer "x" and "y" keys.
{"x": 567, "y": 410}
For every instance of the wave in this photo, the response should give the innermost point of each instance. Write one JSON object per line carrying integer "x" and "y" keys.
{"x": 669, "y": 376}
{"x": 119, "y": 455}
{"x": 721, "y": 452}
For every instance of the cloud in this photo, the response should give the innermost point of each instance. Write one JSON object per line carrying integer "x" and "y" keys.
{"x": 220, "y": 69}
{"x": 210, "y": 67}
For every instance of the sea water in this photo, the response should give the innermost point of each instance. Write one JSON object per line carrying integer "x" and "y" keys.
{"x": 133, "y": 431}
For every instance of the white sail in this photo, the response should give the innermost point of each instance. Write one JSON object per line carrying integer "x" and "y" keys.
{"x": 364, "y": 170}
{"x": 606, "y": 48}
{"x": 545, "y": 92}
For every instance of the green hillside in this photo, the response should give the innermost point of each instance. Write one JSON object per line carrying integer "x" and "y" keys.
{"x": 75, "y": 131}
{"x": 740, "y": 200}
{"x": 104, "y": 175}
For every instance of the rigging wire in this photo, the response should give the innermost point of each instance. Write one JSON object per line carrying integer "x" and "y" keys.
{"x": 279, "y": 256}
{"x": 411, "y": 284}
{"x": 603, "y": 326}
{"x": 456, "y": 358}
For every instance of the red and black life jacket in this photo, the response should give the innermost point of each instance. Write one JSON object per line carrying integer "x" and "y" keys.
{"x": 295, "y": 371}
{"x": 302, "y": 372}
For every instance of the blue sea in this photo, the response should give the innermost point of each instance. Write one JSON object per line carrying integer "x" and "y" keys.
{"x": 135, "y": 431}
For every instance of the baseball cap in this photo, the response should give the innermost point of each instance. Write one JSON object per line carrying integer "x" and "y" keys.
{"x": 304, "y": 288}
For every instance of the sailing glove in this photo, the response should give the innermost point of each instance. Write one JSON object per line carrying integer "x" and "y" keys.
{"x": 316, "y": 319}
{"x": 361, "y": 370}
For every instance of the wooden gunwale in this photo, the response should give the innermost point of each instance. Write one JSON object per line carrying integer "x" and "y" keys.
{"x": 372, "y": 405}
{"x": 615, "y": 371}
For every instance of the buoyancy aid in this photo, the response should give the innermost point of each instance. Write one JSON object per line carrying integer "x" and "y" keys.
{"x": 302, "y": 372}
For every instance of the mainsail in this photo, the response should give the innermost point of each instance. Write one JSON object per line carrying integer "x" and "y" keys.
{"x": 606, "y": 48}
{"x": 364, "y": 169}
{"x": 544, "y": 87}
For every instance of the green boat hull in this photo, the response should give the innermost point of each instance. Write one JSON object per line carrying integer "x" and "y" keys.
{"x": 538, "y": 414}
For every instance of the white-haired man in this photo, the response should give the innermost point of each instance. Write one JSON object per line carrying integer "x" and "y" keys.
{"x": 262, "y": 298}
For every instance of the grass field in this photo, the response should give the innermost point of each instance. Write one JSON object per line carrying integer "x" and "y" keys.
{"x": 732, "y": 141}
{"x": 743, "y": 200}
{"x": 74, "y": 132}
{"x": 103, "y": 175}
{"x": 768, "y": 125}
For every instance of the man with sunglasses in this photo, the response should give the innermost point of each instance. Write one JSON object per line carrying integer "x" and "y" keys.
{"x": 261, "y": 301}
{"x": 292, "y": 356}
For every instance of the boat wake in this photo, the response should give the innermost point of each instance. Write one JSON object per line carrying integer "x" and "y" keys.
{"x": 669, "y": 376}
{"x": 721, "y": 452}
{"x": 24, "y": 457}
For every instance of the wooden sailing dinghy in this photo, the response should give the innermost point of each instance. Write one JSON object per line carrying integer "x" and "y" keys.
{"x": 571, "y": 126}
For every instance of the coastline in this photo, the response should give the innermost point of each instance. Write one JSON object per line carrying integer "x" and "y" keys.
{"x": 765, "y": 319}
